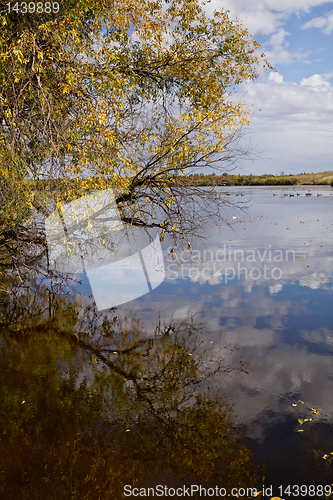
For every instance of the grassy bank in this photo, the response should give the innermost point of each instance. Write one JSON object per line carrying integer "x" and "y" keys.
{"x": 320, "y": 178}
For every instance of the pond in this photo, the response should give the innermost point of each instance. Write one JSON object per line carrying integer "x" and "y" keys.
{"x": 220, "y": 377}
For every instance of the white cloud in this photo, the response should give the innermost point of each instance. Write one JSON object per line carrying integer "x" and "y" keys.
{"x": 294, "y": 5}
{"x": 279, "y": 52}
{"x": 292, "y": 124}
{"x": 256, "y": 15}
{"x": 278, "y": 39}
{"x": 275, "y": 77}
{"x": 263, "y": 15}
{"x": 316, "y": 82}
{"x": 323, "y": 23}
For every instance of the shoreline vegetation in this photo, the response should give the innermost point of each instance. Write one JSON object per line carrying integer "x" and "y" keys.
{"x": 67, "y": 190}
{"x": 88, "y": 184}
{"x": 311, "y": 179}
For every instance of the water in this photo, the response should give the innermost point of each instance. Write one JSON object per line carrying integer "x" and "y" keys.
{"x": 120, "y": 392}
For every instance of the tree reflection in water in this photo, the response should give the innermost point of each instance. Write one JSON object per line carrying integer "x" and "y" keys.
{"x": 90, "y": 402}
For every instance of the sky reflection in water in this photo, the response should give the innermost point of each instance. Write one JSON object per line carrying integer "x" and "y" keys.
{"x": 284, "y": 327}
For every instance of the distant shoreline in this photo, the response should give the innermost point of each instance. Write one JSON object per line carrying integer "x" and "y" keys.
{"x": 305, "y": 179}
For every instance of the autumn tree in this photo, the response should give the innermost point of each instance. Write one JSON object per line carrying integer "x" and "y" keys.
{"x": 126, "y": 94}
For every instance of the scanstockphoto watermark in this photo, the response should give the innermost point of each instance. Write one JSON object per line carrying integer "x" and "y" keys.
{"x": 228, "y": 263}
{"x": 197, "y": 490}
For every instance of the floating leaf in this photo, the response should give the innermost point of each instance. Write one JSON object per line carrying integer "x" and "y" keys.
{"x": 315, "y": 411}
{"x": 301, "y": 421}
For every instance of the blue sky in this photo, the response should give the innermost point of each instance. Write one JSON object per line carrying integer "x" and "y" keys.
{"x": 292, "y": 117}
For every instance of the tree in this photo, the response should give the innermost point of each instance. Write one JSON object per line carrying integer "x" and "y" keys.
{"x": 127, "y": 94}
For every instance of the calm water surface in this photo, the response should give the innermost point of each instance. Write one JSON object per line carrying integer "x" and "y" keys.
{"x": 92, "y": 402}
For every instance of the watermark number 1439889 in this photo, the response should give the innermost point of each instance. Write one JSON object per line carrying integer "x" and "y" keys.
{"x": 33, "y": 7}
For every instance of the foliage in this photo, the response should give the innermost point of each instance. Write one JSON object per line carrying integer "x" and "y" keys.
{"x": 130, "y": 106}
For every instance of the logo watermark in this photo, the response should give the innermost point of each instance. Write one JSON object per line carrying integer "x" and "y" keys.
{"x": 228, "y": 263}
{"x": 88, "y": 235}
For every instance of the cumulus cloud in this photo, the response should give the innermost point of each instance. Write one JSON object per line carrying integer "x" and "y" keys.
{"x": 292, "y": 124}
{"x": 323, "y": 23}
{"x": 275, "y": 77}
{"x": 279, "y": 46}
{"x": 256, "y": 15}
{"x": 316, "y": 82}
{"x": 279, "y": 52}
{"x": 263, "y": 15}
{"x": 311, "y": 102}
{"x": 267, "y": 17}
